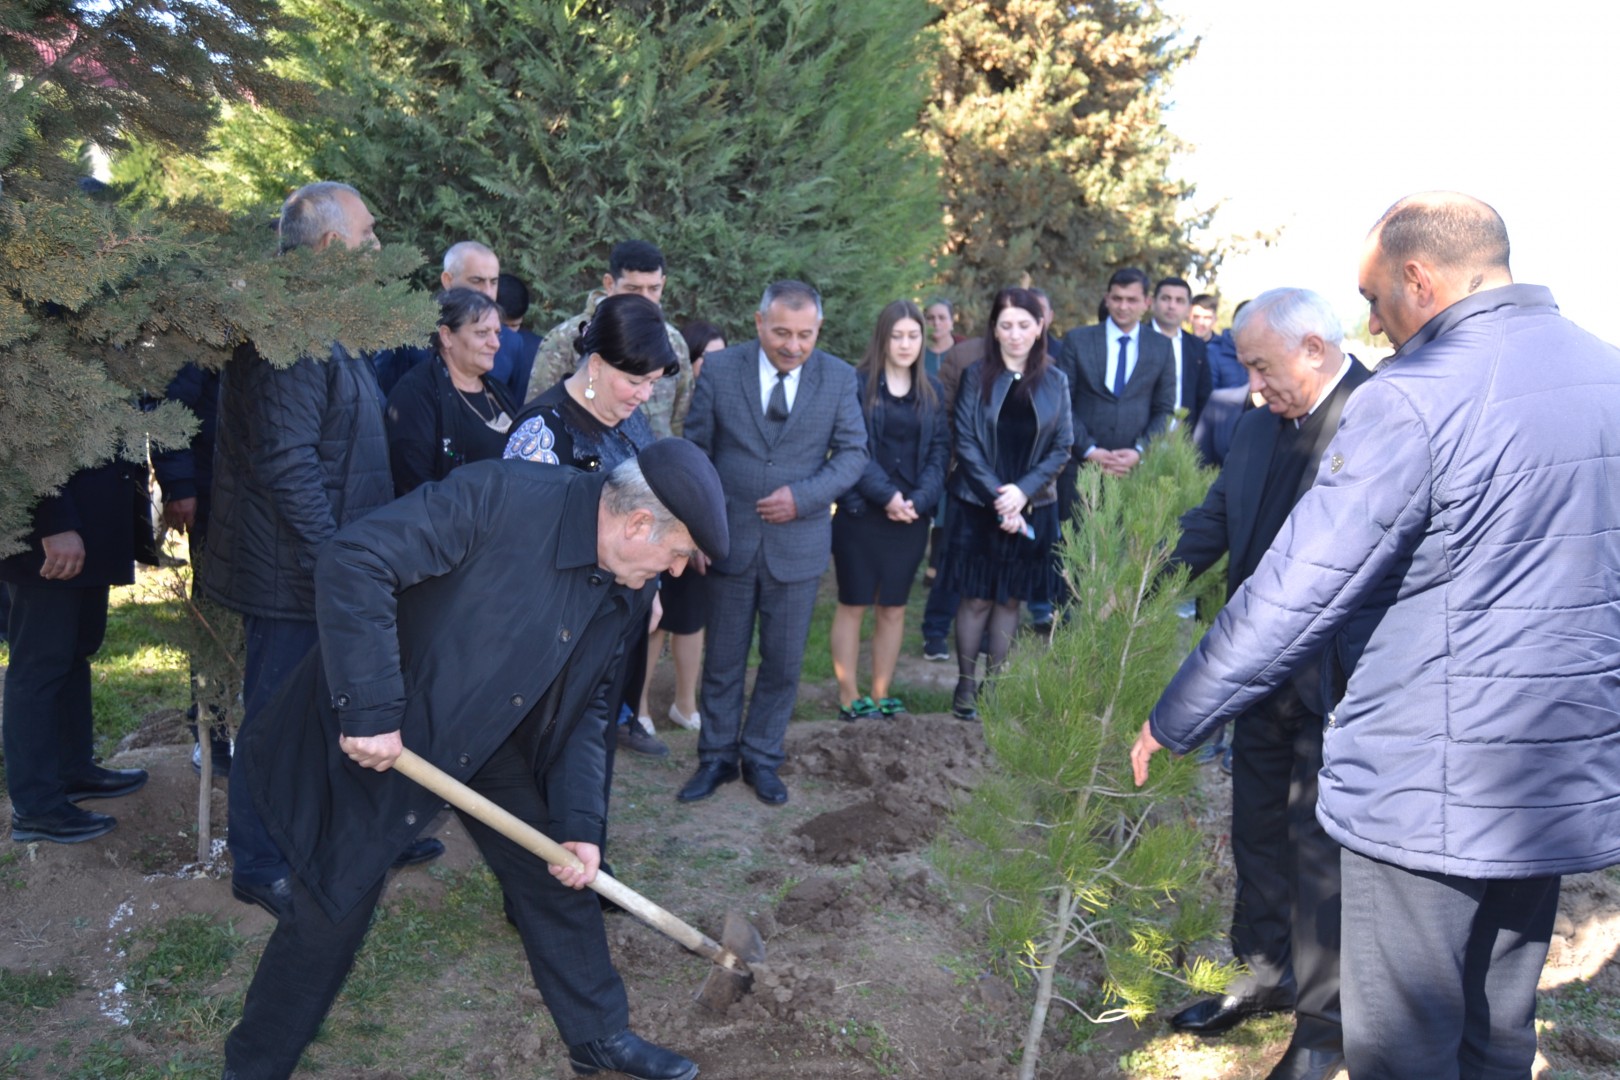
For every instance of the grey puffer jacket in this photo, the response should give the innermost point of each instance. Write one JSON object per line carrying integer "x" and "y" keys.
{"x": 302, "y": 451}
{"x": 1460, "y": 554}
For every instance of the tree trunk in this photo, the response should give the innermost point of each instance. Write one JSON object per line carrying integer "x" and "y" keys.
{"x": 1043, "y": 986}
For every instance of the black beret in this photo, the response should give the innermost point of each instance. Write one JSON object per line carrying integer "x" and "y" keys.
{"x": 683, "y": 478}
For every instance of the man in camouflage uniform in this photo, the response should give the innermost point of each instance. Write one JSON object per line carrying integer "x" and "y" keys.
{"x": 634, "y": 266}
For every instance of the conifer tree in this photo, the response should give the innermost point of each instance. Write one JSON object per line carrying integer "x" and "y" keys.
{"x": 750, "y": 139}
{"x": 100, "y": 301}
{"x": 1064, "y": 851}
{"x": 1047, "y": 115}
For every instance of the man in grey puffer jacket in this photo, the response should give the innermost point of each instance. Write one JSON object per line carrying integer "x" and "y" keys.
{"x": 1459, "y": 557}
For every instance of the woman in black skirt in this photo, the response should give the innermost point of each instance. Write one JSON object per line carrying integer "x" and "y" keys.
{"x": 1014, "y": 431}
{"x": 685, "y": 598}
{"x": 881, "y": 529}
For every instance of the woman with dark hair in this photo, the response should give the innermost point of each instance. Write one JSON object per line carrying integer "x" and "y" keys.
{"x": 1014, "y": 431}
{"x": 685, "y": 598}
{"x": 880, "y": 531}
{"x": 592, "y": 420}
{"x": 448, "y": 411}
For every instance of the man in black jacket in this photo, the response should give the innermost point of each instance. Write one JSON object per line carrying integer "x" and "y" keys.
{"x": 82, "y": 541}
{"x": 1285, "y": 919}
{"x": 301, "y": 452}
{"x": 516, "y": 707}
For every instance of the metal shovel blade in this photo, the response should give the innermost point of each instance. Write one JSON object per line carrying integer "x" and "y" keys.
{"x": 724, "y": 984}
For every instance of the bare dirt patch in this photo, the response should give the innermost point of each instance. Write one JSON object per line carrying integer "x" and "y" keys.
{"x": 872, "y": 968}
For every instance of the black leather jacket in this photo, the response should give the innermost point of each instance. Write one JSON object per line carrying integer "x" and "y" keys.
{"x": 977, "y": 473}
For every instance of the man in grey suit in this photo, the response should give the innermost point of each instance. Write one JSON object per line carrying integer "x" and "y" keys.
{"x": 1122, "y": 379}
{"x": 781, "y": 420}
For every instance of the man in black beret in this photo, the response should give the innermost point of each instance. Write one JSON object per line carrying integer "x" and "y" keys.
{"x": 480, "y": 621}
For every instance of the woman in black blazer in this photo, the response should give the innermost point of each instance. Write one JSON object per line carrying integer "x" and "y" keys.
{"x": 880, "y": 531}
{"x": 1014, "y": 431}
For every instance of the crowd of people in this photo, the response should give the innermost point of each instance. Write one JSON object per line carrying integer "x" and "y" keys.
{"x": 1418, "y": 657}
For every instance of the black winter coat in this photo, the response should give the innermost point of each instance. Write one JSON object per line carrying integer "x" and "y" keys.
{"x": 301, "y": 453}
{"x": 107, "y": 507}
{"x": 448, "y": 616}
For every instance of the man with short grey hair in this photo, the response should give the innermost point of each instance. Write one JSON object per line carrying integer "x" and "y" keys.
{"x": 1285, "y": 925}
{"x": 781, "y": 420}
{"x": 1455, "y": 561}
{"x": 301, "y": 451}
{"x": 514, "y": 707}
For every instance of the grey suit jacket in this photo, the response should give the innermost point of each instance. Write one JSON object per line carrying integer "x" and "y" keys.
{"x": 1143, "y": 411}
{"x": 818, "y": 454}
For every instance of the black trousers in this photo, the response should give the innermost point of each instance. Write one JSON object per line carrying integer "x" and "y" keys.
{"x": 49, "y": 728}
{"x": 309, "y": 955}
{"x": 1285, "y": 920}
{"x": 1440, "y": 972}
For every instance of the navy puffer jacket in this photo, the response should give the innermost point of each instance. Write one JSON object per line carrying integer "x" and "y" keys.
{"x": 1460, "y": 554}
{"x": 301, "y": 452}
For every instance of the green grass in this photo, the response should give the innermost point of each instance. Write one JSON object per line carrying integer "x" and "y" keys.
{"x": 34, "y": 989}
{"x": 171, "y": 977}
{"x": 137, "y": 670}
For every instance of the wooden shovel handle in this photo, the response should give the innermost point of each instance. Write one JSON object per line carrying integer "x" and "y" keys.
{"x": 527, "y": 836}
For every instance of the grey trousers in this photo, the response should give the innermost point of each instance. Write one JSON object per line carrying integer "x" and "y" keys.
{"x": 1439, "y": 972}
{"x": 782, "y": 610}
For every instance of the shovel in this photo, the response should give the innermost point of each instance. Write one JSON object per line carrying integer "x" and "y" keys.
{"x": 728, "y": 980}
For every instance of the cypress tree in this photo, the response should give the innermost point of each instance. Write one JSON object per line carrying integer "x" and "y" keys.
{"x": 1048, "y": 117}
{"x": 750, "y": 139}
{"x": 101, "y": 300}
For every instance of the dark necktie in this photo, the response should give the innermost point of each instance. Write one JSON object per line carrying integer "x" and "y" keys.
{"x": 1119, "y": 371}
{"x": 777, "y": 410}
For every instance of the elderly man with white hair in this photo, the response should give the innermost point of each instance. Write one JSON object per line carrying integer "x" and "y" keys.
{"x": 1285, "y": 923}
{"x": 1455, "y": 559}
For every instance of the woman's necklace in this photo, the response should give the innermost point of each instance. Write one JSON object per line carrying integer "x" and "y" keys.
{"x": 496, "y": 420}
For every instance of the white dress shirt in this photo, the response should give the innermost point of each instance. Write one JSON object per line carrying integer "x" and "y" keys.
{"x": 767, "y": 383}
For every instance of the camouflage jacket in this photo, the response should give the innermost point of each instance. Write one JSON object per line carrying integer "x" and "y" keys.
{"x": 556, "y": 360}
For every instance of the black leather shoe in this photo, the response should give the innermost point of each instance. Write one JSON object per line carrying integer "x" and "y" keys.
{"x": 1215, "y": 1015}
{"x": 630, "y": 1054}
{"x": 101, "y": 783}
{"x": 1300, "y": 1063}
{"x": 709, "y": 775}
{"x": 766, "y": 784}
{"x": 276, "y": 897}
{"x": 66, "y": 825}
{"x": 425, "y": 849}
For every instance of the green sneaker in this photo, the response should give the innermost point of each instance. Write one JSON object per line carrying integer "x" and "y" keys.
{"x": 855, "y": 710}
{"x": 891, "y": 706}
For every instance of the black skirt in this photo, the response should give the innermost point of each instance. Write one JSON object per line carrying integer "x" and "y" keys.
{"x": 875, "y": 559}
{"x": 685, "y": 600}
{"x": 983, "y": 563}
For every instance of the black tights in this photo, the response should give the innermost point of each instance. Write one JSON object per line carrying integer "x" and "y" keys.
{"x": 973, "y": 618}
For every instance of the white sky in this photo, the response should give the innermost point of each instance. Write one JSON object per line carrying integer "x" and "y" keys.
{"x": 1315, "y": 115}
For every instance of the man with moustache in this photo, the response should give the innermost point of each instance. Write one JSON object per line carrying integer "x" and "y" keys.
{"x": 781, "y": 420}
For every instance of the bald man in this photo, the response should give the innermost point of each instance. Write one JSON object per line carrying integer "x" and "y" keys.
{"x": 1456, "y": 560}
{"x": 467, "y": 265}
